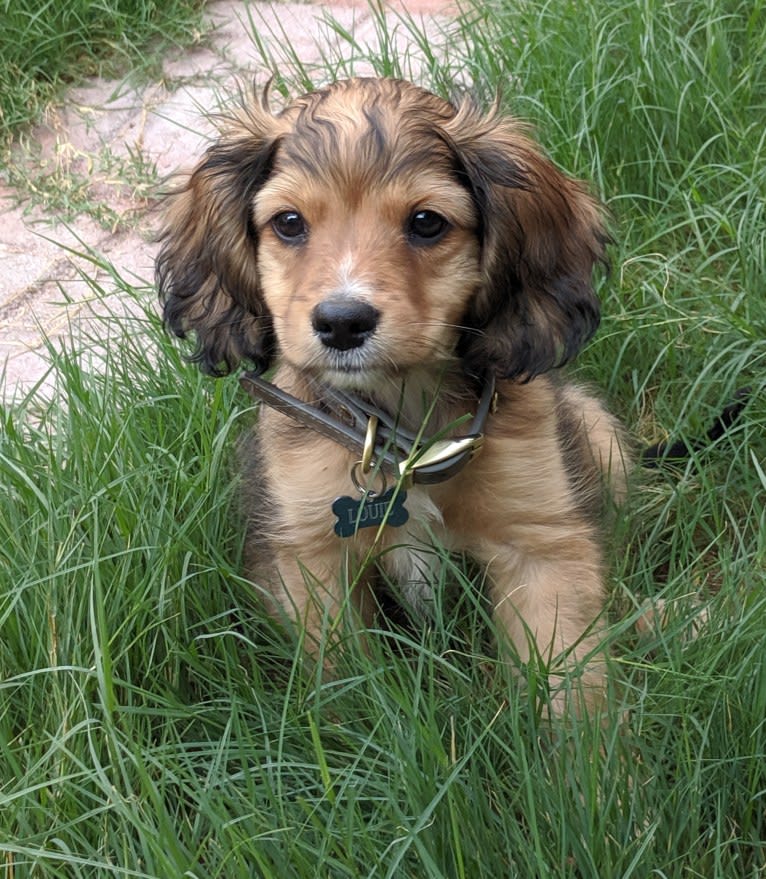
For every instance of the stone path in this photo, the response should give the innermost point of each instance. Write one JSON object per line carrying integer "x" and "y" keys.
{"x": 87, "y": 180}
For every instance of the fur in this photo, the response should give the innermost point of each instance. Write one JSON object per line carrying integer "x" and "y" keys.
{"x": 451, "y": 248}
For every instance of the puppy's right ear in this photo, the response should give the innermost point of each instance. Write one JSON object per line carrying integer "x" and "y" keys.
{"x": 207, "y": 271}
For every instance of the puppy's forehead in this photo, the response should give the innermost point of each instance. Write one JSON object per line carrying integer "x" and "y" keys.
{"x": 354, "y": 94}
{"x": 366, "y": 127}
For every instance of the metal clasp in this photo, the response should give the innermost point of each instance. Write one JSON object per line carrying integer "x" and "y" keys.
{"x": 366, "y": 463}
{"x": 369, "y": 444}
{"x": 446, "y": 457}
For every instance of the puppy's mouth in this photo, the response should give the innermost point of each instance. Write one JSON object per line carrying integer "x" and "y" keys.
{"x": 356, "y": 369}
{"x": 347, "y": 362}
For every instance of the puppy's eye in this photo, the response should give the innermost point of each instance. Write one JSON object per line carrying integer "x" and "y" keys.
{"x": 290, "y": 227}
{"x": 426, "y": 227}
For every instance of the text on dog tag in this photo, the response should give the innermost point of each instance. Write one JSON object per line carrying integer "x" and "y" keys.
{"x": 369, "y": 511}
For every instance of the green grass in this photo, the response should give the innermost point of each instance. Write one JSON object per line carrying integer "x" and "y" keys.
{"x": 45, "y": 44}
{"x": 153, "y": 722}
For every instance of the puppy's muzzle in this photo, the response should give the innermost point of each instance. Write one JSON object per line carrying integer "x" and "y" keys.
{"x": 343, "y": 324}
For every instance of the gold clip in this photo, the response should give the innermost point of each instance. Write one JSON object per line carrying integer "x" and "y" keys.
{"x": 440, "y": 452}
{"x": 369, "y": 444}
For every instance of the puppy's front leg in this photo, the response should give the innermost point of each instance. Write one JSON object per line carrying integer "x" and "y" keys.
{"x": 310, "y": 578}
{"x": 548, "y": 602}
{"x": 323, "y": 592}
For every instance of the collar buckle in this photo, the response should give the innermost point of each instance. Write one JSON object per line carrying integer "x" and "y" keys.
{"x": 440, "y": 460}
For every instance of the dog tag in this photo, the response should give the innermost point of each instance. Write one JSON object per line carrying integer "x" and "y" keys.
{"x": 369, "y": 511}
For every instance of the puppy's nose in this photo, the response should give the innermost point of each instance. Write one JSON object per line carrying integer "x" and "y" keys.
{"x": 344, "y": 323}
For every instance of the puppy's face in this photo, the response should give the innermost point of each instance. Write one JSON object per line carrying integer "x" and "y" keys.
{"x": 372, "y": 228}
{"x": 367, "y": 241}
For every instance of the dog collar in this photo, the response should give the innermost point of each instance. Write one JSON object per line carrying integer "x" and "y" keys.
{"x": 368, "y": 431}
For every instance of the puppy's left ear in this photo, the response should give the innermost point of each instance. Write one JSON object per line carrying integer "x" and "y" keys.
{"x": 207, "y": 268}
{"x": 541, "y": 236}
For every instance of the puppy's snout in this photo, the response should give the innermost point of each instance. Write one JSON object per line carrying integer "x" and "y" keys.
{"x": 344, "y": 323}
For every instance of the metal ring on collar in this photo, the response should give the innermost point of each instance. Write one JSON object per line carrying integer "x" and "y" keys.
{"x": 362, "y": 487}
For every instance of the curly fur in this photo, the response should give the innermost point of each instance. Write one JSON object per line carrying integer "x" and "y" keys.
{"x": 505, "y": 287}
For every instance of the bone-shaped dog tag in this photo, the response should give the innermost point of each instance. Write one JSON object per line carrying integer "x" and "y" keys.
{"x": 369, "y": 511}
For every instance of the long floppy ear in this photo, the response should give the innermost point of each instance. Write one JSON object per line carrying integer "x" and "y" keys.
{"x": 541, "y": 237}
{"x": 207, "y": 272}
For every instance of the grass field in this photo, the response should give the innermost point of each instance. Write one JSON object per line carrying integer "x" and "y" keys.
{"x": 154, "y": 723}
{"x": 45, "y": 44}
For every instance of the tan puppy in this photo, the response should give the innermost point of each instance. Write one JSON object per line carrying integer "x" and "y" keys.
{"x": 375, "y": 238}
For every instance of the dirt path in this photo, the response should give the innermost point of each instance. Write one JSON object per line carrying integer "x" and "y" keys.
{"x": 87, "y": 180}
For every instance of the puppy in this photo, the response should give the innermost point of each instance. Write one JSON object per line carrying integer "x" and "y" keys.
{"x": 373, "y": 239}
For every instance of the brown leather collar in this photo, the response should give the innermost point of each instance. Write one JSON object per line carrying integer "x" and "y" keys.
{"x": 347, "y": 418}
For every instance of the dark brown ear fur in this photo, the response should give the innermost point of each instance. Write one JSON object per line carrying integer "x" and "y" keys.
{"x": 541, "y": 236}
{"x": 207, "y": 271}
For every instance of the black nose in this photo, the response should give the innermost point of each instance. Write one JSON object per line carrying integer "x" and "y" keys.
{"x": 344, "y": 323}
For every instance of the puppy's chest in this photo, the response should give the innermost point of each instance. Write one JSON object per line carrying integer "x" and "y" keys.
{"x": 416, "y": 552}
